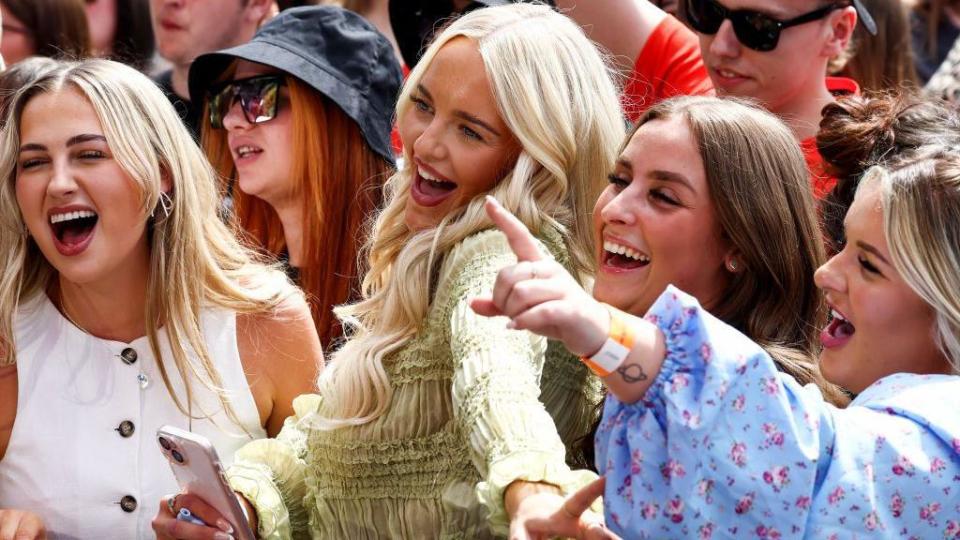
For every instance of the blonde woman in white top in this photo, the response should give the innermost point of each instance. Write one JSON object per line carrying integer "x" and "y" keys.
{"x": 125, "y": 304}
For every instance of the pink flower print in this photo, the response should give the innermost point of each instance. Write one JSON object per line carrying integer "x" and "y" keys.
{"x": 690, "y": 419}
{"x": 937, "y": 465}
{"x": 956, "y": 445}
{"x": 738, "y": 454}
{"x": 836, "y": 496}
{"x": 679, "y": 382}
{"x": 706, "y": 353}
{"x": 871, "y": 521}
{"x": 649, "y": 510}
{"x": 896, "y": 505}
{"x": 672, "y": 469}
{"x": 636, "y": 460}
{"x": 768, "y": 533}
{"x": 774, "y": 435}
{"x": 706, "y": 531}
{"x": 744, "y": 504}
{"x": 802, "y": 502}
{"x": 952, "y": 532}
{"x": 769, "y": 386}
{"x": 929, "y": 511}
{"x": 739, "y": 402}
{"x": 903, "y": 467}
{"x": 777, "y": 477}
{"x": 704, "y": 487}
{"x": 674, "y": 510}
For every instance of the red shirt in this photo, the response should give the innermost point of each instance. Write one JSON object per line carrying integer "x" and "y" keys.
{"x": 821, "y": 181}
{"x": 669, "y": 65}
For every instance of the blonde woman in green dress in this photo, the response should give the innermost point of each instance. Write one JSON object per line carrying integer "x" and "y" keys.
{"x": 431, "y": 421}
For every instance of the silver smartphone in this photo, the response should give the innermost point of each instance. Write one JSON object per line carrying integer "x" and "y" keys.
{"x": 199, "y": 472}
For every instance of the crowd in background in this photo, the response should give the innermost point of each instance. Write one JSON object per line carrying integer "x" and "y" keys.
{"x": 481, "y": 269}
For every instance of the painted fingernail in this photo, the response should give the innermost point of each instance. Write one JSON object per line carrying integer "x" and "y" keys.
{"x": 222, "y": 536}
{"x": 224, "y": 526}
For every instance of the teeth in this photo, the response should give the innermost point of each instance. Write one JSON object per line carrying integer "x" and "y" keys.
{"x": 244, "y": 151}
{"x": 837, "y": 315}
{"x": 427, "y": 176}
{"x": 58, "y": 218}
{"x": 625, "y": 251}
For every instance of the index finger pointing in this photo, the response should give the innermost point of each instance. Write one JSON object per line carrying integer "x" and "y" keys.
{"x": 523, "y": 244}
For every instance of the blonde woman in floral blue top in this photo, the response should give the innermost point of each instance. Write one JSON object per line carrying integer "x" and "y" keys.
{"x": 702, "y": 437}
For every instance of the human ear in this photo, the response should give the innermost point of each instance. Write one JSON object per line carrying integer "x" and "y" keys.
{"x": 260, "y": 11}
{"x": 840, "y": 30}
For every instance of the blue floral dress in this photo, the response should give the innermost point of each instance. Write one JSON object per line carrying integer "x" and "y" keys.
{"x": 725, "y": 446}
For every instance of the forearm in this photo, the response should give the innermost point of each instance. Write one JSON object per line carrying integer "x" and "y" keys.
{"x": 631, "y": 380}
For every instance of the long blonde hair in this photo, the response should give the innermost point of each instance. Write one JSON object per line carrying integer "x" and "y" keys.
{"x": 195, "y": 260}
{"x": 920, "y": 197}
{"x": 556, "y": 94}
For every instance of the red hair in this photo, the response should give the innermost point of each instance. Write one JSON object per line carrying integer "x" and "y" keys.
{"x": 339, "y": 180}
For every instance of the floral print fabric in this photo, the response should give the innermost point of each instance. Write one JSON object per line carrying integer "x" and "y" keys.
{"x": 724, "y": 446}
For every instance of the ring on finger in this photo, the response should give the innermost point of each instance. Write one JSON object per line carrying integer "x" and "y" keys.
{"x": 172, "y": 505}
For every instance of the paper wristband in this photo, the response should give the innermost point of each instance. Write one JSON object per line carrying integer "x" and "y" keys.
{"x": 615, "y": 349}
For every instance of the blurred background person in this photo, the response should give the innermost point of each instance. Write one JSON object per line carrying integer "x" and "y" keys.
{"x": 121, "y": 30}
{"x": 185, "y": 29}
{"x": 884, "y": 61}
{"x": 936, "y": 26}
{"x": 43, "y": 28}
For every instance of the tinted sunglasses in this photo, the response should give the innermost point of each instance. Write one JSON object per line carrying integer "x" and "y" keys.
{"x": 755, "y": 30}
{"x": 258, "y": 99}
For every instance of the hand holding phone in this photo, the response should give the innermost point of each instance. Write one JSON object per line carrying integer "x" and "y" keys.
{"x": 199, "y": 473}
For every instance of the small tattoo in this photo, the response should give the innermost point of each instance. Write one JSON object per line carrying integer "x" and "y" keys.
{"x": 632, "y": 373}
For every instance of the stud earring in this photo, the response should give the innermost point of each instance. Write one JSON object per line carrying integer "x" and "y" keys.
{"x": 732, "y": 265}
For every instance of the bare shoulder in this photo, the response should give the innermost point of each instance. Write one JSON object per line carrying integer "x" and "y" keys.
{"x": 281, "y": 355}
{"x": 284, "y": 333}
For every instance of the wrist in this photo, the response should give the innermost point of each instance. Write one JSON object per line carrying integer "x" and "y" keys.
{"x": 618, "y": 341}
{"x": 518, "y": 490}
{"x": 598, "y": 329}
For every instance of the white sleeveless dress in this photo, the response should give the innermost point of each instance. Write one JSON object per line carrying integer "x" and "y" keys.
{"x": 83, "y": 452}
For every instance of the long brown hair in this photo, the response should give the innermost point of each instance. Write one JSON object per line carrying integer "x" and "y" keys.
{"x": 338, "y": 179}
{"x": 884, "y": 61}
{"x": 57, "y": 27}
{"x": 759, "y": 185}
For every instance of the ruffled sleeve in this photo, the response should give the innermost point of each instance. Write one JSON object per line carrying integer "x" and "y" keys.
{"x": 271, "y": 474}
{"x": 724, "y": 445}
{"x": 496, "y": 382}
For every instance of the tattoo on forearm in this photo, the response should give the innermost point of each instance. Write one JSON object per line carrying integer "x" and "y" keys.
{"x": 632, "y": 373}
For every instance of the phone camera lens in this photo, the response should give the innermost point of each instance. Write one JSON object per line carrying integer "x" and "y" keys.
{"x": 164, "y": 443}
{"x": 177, "y": 456}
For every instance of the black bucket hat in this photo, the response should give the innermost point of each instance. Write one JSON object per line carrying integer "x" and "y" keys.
{"x": 335, "y": 51}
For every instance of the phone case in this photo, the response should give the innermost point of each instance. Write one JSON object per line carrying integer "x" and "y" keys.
{"x": 199, "y": 472}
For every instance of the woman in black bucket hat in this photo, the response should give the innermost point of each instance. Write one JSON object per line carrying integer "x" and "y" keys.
{"x": 298, "y": 120}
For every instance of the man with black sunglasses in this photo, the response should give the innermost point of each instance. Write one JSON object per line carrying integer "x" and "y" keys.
{"x": 772, "y": 51}
{"x": 185, "y": 29}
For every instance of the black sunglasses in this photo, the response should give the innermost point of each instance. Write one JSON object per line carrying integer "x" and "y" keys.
{"x": 755, "y": 30}
{"x": 258, "y": 99}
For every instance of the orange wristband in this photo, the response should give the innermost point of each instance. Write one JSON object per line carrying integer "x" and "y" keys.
{"x": 616, "y": 348}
